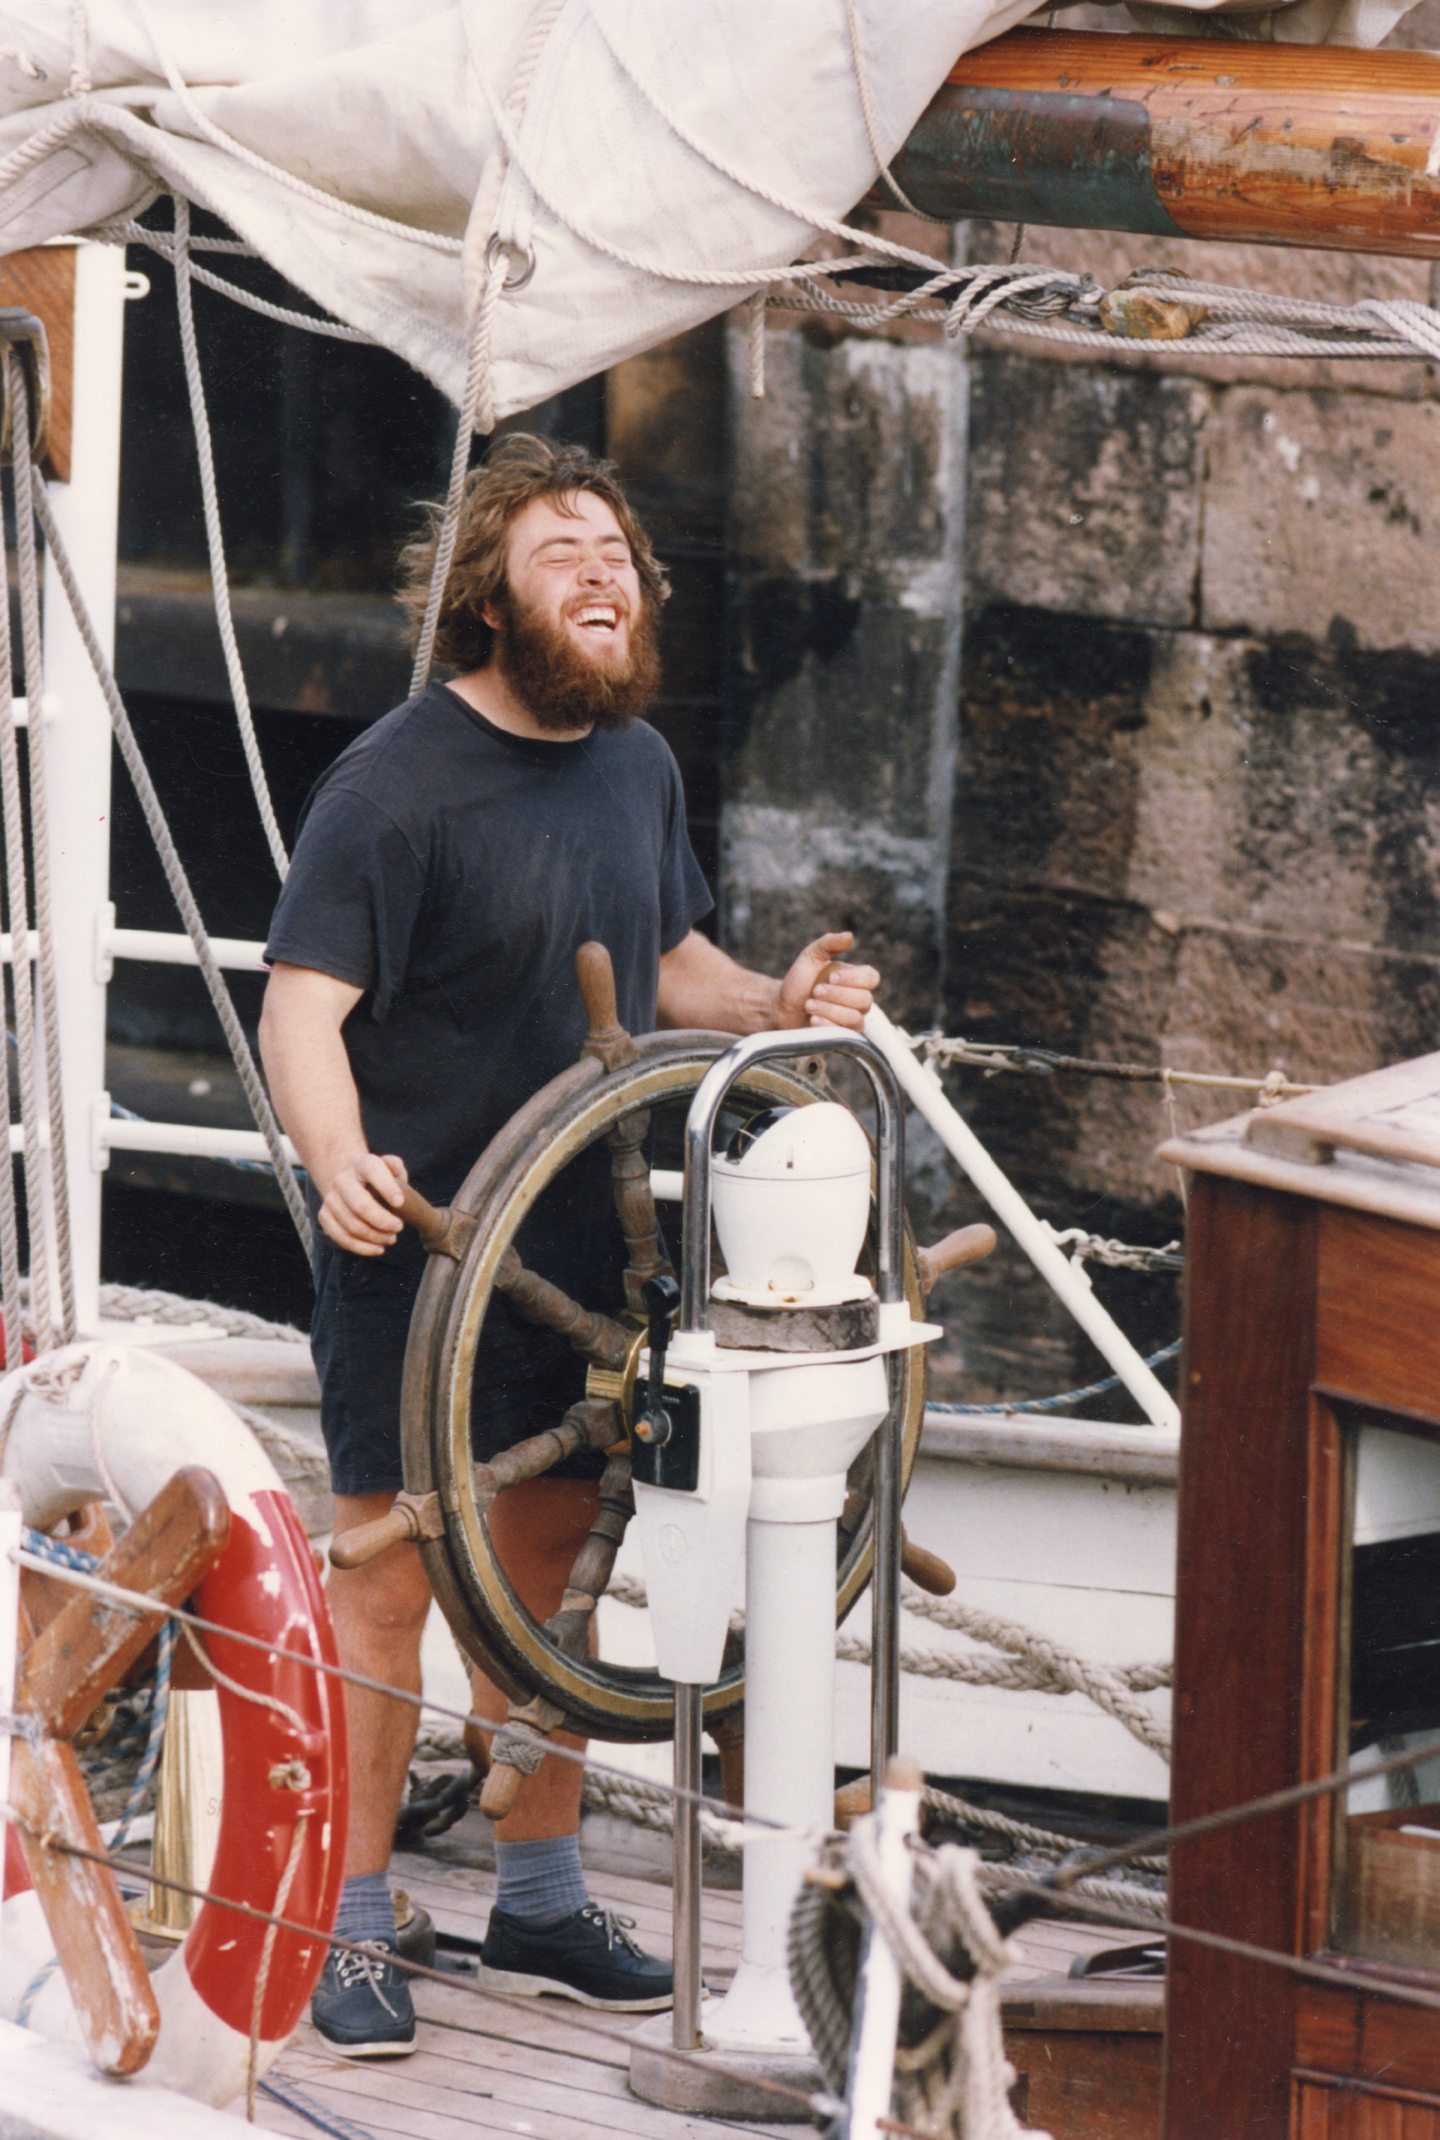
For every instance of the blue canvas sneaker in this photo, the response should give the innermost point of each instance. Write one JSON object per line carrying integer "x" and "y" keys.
{"x": 361, "y": 2006}
{"x": 588, "y": 1957}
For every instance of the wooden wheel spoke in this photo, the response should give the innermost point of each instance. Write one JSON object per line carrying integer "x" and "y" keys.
{"x": 513, "y": 1753}
{"x": 569, "y": 1628}
{"x": 595, "y": 1336}
{"x": 645, "y": 1250}
{"x": 593, "y": 1423}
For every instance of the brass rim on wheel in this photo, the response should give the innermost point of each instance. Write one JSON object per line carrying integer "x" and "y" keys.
{"x": 573, "y": 1112}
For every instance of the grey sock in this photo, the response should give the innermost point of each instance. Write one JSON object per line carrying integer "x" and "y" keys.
{"x": 366, "y": 1910}
{"x": 542, "y": 1881}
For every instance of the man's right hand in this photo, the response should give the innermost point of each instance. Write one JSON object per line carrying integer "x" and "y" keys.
{"x": 359, "y": 1211}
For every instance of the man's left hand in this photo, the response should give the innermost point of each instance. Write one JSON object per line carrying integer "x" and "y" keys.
{"x": 841, "y": 997}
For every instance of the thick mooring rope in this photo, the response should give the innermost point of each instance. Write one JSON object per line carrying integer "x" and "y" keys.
{"x": 951, "y": 2073}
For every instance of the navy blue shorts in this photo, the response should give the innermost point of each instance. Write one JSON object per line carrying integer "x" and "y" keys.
{"x": 524, "y": 1379}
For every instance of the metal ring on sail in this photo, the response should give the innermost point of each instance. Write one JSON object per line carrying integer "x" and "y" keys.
{"x": 117, "y": 1421}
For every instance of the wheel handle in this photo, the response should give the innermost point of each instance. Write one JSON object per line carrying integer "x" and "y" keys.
{"x": 661, "y": 1295}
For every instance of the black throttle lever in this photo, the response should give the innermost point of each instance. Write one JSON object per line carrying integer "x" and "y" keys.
{"x": 661, "y": 1295}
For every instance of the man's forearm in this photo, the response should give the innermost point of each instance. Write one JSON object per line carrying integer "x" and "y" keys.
{"x": 313, "y": 1089}
{"x": 700, "y": 985}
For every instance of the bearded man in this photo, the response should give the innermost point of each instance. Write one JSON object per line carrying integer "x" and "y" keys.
{"x": 447, "y": 868}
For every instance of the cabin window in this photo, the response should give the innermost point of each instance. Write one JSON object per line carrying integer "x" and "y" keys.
{"x": 1386, "y": 1887}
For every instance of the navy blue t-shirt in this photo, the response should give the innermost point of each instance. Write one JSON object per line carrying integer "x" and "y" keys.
{"x": 451, "y": 870}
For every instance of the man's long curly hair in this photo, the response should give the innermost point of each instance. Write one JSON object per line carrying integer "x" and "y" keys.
{"x": 519, "y": 468}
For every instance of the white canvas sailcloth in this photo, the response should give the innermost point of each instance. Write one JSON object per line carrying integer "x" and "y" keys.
{"x": 647, "y": 156}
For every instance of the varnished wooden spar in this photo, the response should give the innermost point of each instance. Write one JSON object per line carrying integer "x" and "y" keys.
{"x": 1187, "y": 137}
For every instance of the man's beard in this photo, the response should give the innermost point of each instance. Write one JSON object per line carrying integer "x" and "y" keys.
{"x": 560, "y": 687}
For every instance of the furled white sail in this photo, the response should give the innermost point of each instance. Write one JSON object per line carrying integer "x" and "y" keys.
{"x": 641, "y": 160}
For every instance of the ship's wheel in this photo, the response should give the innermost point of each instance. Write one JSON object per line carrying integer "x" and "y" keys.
{"x": 632, "y": 1096}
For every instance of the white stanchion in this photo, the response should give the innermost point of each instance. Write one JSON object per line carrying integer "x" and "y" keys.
{"x": 877, "y": 1995}
{"x": 78, "y": 749}
{"x": 171, "y": 947}
{"x": 1066, "y": 1278}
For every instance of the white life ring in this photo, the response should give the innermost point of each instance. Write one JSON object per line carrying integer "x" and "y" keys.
{"x": 115, "y": 1419}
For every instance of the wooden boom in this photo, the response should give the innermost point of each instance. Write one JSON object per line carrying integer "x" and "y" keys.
{"x": 1187, "y": 138}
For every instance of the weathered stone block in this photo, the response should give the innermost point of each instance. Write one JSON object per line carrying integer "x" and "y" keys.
{"x": 837, "y": 702}
{"x": 1085, "y": 489}
{"x": 1053, "y": 715}
{"x": 851, "y": 466}
{"x": 845, "y": 634}
{"x": 1291, "y": 787}
{"x": 1321, "y": 517}
{"x": 1281, "y": 788}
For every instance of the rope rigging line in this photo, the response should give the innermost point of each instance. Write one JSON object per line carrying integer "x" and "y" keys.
{"x": 1060, "y": 1888}
{"x": 133, "y": 1304}
{"x": 992, "y": 1056}
{"x": 1046, "y": 1404}
{"x": 1033, "y": 1662}
{"x": 125, "y": 231}
{"x": 138, "y": 1601}
{"x": 22, "y": 979}
{"x": 1059, "y": 305}
{"x": 366, "y": 218}
{"x": 818, "y": 2106}
{"x": 175, "y": 874}
{"x": 56, "y": 1209}
{"x": 477, "y": 400}
{"x": 1042, "y": 1892}
{"x": 215, "y": 540}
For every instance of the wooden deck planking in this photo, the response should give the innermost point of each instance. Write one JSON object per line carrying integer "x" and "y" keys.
{"x": 539, "y": 2068}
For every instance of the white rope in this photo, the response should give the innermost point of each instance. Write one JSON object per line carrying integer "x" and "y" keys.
{"x": 1107, "y": 1687}
{"x": 79, "y": 82}
{"x": 1035, "y": 1662}
{"x": 870, "y": 244}
{"x": 477, "y": 399}
{"x": 57, "y": 1165}
{"x": 175, "y": 876}
{"x": 477, "y": 370}
{"x": 287, "y": 1448}
{"x": 21, "y": 968}
{"x": 959, "y": 2072}
{"x": 867, "y": 113}
{"x": 126, "y": 232}
{"x": 216, "y": 135}
{"x": 135, "y": 1304}
{"x": 292, "y": 1717}
{"x": 215, "y": 541}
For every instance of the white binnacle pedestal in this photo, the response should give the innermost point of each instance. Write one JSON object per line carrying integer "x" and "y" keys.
{"x": 807, "y": 1426}
{"x": 780, "y": 1432}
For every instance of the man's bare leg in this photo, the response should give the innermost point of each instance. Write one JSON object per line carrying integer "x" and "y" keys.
{"x": 379, "y": 1614}
{"x": 535, "y": 1941}
{"x": 362, "y": 2006}
{"x": 537, "y": 1528}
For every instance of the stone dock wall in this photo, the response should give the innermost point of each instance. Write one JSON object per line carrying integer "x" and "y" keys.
{"x": 1102, "y": 698}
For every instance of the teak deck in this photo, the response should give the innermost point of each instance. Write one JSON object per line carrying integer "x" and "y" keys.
{"x": 481, "y": 2068}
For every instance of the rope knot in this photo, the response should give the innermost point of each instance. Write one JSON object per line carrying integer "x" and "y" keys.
{"x": 290, "y": 1775}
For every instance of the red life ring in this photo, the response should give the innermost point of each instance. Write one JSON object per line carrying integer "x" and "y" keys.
{"x": 114, "y": 1419}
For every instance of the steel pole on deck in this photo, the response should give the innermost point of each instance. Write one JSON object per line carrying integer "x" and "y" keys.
{"x": 1174, "y": 137}
{"x": 685, "y": 1900}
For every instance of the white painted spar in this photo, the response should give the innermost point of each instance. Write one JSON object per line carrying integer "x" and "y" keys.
{"x": 1066, "y": 1278}
{"x": 116, "y": 1421}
